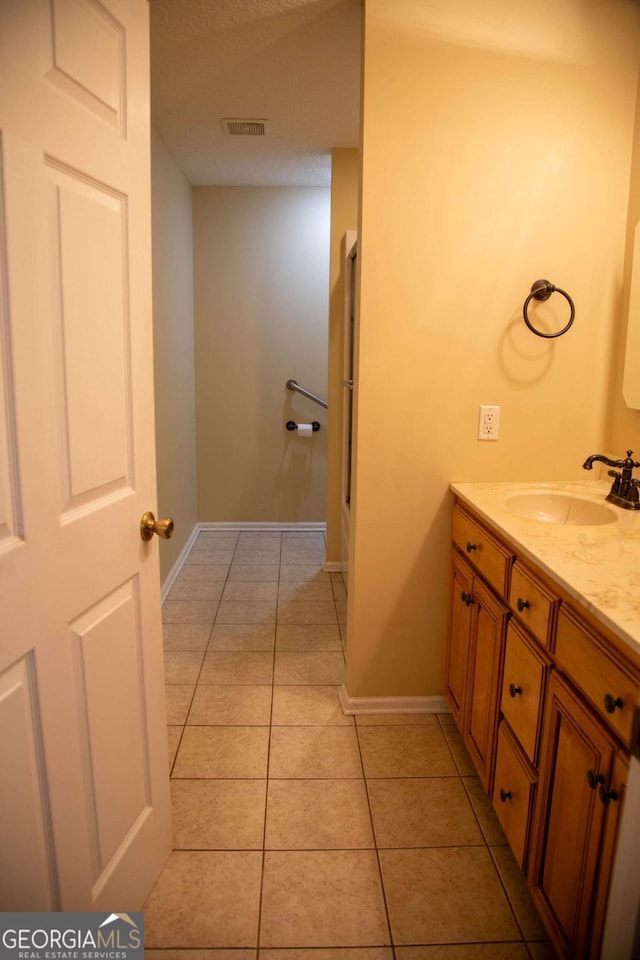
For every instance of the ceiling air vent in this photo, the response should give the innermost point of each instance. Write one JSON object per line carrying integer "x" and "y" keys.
{"x": 245, "y": 128}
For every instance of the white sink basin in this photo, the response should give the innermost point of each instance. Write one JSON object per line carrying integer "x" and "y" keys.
{"x": 562, "y": 508}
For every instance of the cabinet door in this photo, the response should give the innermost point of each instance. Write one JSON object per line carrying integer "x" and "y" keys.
{"x": 460, "y": 605}
{"x": 576, "y": 761}
{"x": 486, "y": 654}
{"x": 513, "y": 793}
{"x": 523, "y": 685}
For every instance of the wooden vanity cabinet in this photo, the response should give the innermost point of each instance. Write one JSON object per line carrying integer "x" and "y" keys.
{"x": 578, "y": 806}
{"x": 524, "y": 682}
{"x": 535, "y": 604}
{"x": 514, "y": 791}
{"x": 473, "y": 667}
{"x": 543, "y": 697}
{"x": 457, "y": 657}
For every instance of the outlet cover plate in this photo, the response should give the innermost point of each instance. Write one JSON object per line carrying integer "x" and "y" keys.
{"x": 489, "y": 422}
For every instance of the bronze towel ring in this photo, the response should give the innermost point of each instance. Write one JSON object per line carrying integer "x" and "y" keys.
{"x": 542, "y": 290}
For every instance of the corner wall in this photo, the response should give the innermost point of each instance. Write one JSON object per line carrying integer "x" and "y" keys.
{"x": 173, "y": 349}
{"x": 496, "y": 151}
{"x": 345, "y": 176}
{"x": 623, "y": 424}
{"x": 261, "y": 281}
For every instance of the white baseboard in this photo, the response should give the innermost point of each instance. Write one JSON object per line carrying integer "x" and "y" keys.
{"x": 380, "y": 705}
{"x": 178, "y": 565}
{"x": 310, "y": 527}
{"x": 332, "y": 566}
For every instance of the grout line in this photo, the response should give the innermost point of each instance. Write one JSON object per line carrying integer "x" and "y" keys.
{"x": 458, "y": 775}
{"x": 375, "y": 843}
{"x": 267, "y": 778}
{"x": 195, "y": 687}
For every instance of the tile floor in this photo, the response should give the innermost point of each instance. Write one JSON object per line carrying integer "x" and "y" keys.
{"x": 300, "y": 833}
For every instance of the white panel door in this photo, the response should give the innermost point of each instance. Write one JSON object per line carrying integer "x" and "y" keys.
{"x": 84, "y": 793}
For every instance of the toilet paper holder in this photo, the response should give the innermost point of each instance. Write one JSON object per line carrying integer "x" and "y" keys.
{"x": 292, "y": 425}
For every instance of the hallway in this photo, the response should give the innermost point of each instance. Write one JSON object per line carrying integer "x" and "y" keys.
{"x": 300, "y": 833}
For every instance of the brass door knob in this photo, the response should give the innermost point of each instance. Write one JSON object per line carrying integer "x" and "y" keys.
{"x": 149, "y": 525}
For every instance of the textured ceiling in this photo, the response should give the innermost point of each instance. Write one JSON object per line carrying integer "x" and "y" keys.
{"x": 295, "y": 63}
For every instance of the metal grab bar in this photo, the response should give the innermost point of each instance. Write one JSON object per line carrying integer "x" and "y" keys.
{"x": 294, "y": 385}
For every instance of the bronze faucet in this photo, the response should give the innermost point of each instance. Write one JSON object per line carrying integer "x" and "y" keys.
{"x": 624, "y": 490}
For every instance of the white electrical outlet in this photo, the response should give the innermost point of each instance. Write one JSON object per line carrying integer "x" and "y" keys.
{"x": 489, "y": 425}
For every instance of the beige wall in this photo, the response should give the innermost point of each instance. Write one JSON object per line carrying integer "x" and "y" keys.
{"x": 496, "y": 151}
{"x": 261, "y": 281}
{"x": 345, "y": 176}
{"x": 173, "y": 349}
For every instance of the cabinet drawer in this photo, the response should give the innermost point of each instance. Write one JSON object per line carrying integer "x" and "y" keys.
{"x": 523, "y": 686}
{"x": 491, "y": 557}
{"x": 611, "y": 684}
{"x": 513, "y": 793}
{"x": 533, "y": 602}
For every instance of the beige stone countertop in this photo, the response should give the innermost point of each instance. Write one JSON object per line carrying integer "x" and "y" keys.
{"x": 598, "y": 565}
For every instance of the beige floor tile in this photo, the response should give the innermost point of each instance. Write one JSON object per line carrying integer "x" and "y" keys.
{"x": 305, "y": 590}
{"x": 231, "y": 704}
{"x": 196, "y": 590}
{"x": 316, "y": 668}
{"x": 189, "y": 611}
{"x": 261, "y": 552}
{"x": 516, "y": 886}
{"x": 251, "y": 591}
{"x": 397, "y": 719}
{"x": 182, "y": 666}
{"x": 233, "y": 752}
{"x": 212, "y": 552}
{"x": 312, "y": 536}
{"x": 173, "y": 739}
{"x": 178, "y": 698}
{"x": 464, "y": 951}
{"x": 309, "y": 572}
{"x": 419, "y": 751}
{"x": 341, "y": 611}
{"x": 204, "y": 571}
{"x": 218, "y": 814}
{"x": 307, "y": 611}
{"x": 314, "y": 753}
{"x": 339, "y": 590}
{"x": 208, "y": 536}
{"x": 299, "y": 552}
{"x": 429, "y": 812}
{"x": 322, "y": 898}
{"x": 318, "y": 815}
{"x": 305, "y": 705}
{"x": 234, "y": 666}
{"x": 236, "y": 611}
{"x": 308, "y": 637}
{"x": 254, "y": 571}
{"x": 205, "y": 899}
{"x": 200, "y": 954}
{"x": 460, "y": 754}
{"x": 329, "y": 953}
{"x": 186, "y": 636}
{"x": 260, "y": 536}
{"x": 542, "y": 951}
{"x": 489, "y": 823}
{"x": 447, "y": 895}
{"x": 245, "y": 637}
{"x": 445, "y": 719}
{"x": 304, "y": 539}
